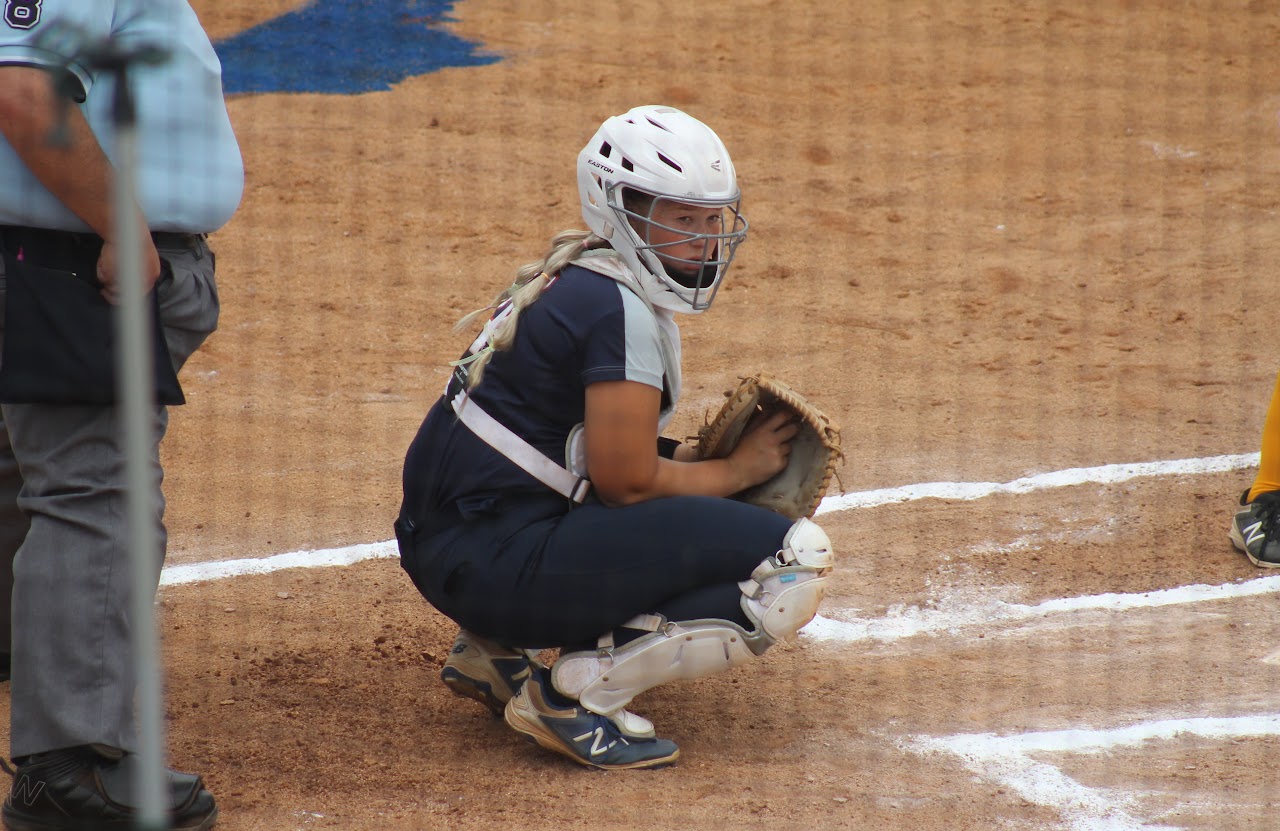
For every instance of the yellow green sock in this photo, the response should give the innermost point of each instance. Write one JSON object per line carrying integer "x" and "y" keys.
{"x": 1269, "y": 468}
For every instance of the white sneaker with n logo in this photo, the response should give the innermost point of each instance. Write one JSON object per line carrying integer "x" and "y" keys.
{"x": 585, "y": 737}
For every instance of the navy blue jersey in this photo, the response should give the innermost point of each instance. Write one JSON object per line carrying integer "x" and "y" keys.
{"x": 584, "y": 328}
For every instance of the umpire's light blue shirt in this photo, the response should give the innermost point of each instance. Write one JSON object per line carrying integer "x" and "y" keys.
{"x": 190, "y": 175}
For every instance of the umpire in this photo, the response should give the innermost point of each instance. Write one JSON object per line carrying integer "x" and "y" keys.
{"x": 63, "y": 544}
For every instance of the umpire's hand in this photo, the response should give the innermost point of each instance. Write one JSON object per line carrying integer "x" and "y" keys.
{"x": 107, "y": 268}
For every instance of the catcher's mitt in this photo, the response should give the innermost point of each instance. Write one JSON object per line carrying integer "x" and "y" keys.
{"x": 796, "y": 491}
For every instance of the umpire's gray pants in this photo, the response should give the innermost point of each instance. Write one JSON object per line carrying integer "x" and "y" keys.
{"x": 62, "y": 528}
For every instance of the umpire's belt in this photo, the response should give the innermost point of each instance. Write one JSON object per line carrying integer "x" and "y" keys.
{"x": 59, "y": 249}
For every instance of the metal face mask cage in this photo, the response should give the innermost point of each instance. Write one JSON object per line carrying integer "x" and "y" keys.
{"x": 699, "y": 285}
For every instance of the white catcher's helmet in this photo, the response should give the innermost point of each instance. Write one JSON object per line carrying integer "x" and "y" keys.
{"x": 671, "y": 157}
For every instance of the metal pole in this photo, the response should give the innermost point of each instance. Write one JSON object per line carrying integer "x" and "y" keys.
{"x": 135, "y": 389}
{"x": 135, "y": 400}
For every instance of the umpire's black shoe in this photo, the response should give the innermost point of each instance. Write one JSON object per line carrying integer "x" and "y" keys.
{"x": 77, "y": 789}
{"x": 4, "y": 666}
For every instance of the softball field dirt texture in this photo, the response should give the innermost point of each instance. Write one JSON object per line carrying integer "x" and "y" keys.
{"x": 1023, "y": 252}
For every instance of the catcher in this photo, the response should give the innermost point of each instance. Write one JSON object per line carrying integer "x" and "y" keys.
{"x": 543, "y": 510}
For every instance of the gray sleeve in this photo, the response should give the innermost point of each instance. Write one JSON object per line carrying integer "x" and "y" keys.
{"x": 623, "y": 344}
{"x": 643, "y": 347}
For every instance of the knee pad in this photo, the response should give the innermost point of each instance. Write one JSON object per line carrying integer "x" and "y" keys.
{"x": 781, "y": 597}
{"x": 785, "y": 590}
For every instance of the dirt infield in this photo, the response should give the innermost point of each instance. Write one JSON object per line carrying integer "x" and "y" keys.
{"x": 994, "y": 240}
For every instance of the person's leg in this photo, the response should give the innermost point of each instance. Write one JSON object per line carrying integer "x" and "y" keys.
{"x": 72, "y": 706}
{"x": 1268, "y": 478}
{"x": 718, "y": 582}
{"x": 13, "y": 530}
{"x": 13, "y": 523}
{"x": 698, "y": 632}
{"x": 72, "y": 659}
{"x": 61, "y": 512}
{"x": 72, "y": 656}
{"x": 569, "y": 578}
{"x": 1255, "y": 528}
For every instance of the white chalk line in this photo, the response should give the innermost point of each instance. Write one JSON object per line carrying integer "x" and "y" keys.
{"x": 1105, "y": 475}
{"x": 994, "y": 613}
{"x": 221, "y": 569}
{"x": 1007, "y": 760}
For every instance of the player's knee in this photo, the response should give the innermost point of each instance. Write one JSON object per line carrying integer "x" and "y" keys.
{"x": 785, "y": 590}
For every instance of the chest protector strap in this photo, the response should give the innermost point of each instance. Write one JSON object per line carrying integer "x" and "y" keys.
{"x": 568, "y": 480}
{"x": 498, "y": 436}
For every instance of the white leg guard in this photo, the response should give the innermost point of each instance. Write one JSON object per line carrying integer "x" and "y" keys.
{"x": 781, "y": 597}
{"x": 785, "y": 590}
{"x": 606, "y": 680}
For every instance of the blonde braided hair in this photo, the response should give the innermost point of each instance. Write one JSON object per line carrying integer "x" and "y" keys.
{"x": 531, "y": 279}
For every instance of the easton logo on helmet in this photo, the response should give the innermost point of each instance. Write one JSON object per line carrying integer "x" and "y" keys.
{"x": 605, "y": 168}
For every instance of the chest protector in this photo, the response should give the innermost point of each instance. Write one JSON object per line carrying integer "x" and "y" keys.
{"x": 570, "y": 478}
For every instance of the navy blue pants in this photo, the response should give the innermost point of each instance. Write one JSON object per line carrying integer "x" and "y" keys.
{"x": 537, "y": 576}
